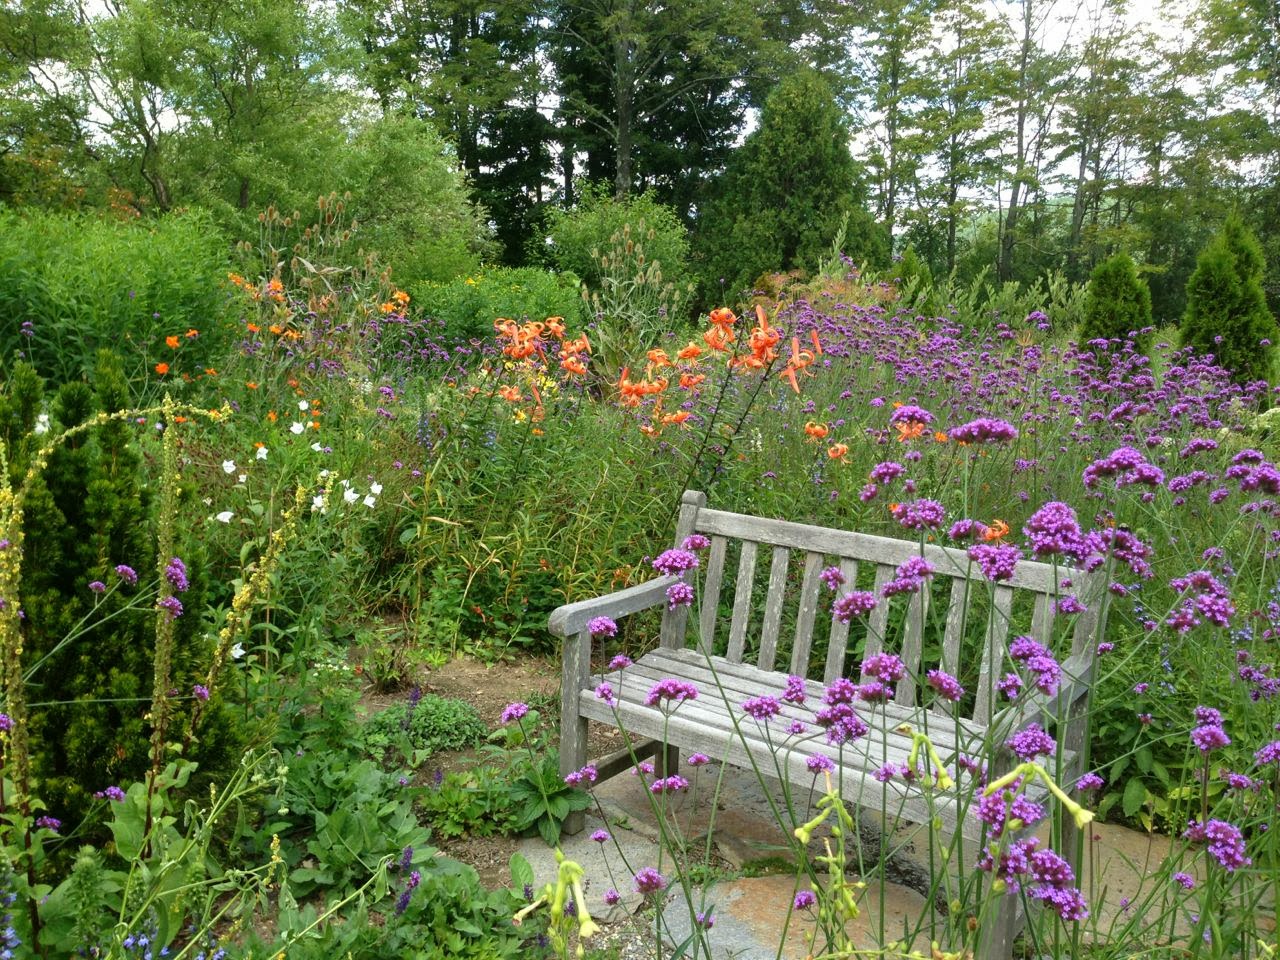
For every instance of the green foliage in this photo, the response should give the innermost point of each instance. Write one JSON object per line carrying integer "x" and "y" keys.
{"x": 475, "y": 803}
{"x": 1119, "y": 302}
{"x": 411, "y": 202}
{"x": 90, "y": 654}
{"x": 579, "y": 238}
{"x": 467, "y": 306}
{"x": 86, "y": 282}
{"x": 428, "y": 726}
{"x": 1227, "y": 313}
{"x": 786, "y": 191}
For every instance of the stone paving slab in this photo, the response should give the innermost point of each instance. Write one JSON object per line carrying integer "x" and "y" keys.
{"x": 750, "y": 912}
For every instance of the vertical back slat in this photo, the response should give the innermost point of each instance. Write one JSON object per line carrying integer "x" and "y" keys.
{"x": 773, "y": 607}
{"x": 913, "y": 646}
{"x": 957, "y": 607}
{"x": 711, "y": 595}
{"x": 675, "y": 620}
{"x": 880, "y": 614}
{"x": 1042, "y": 619}
{"x": 809, "y": 595}
{"x": 839, "y": 631}
{"x": 1090, "y": 625}
{"x": 742, "y": 601}
{"x": 993, "y": 654}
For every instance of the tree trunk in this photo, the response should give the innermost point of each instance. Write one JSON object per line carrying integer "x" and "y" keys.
{"x": 1004, "y": 265}
{"x": 623, "y": 103}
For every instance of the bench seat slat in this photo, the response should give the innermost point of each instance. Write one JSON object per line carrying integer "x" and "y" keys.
{"x": 741, "y": 681}
{"x": 706, "y": 725}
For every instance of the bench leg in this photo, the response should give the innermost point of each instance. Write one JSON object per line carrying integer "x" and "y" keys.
{"x": 669, "y": 761}
{"x": 573, "y": 726}
{"x": 1002, "y": 930}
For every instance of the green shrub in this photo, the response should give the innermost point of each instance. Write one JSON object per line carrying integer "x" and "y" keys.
{"x": 1119, "y": 301}
{"x": 430, "y": 725}
{"x": 412, "y": 202}
{"x": 577, "y": 238}
{"x": 83, "y": 282}
{"x": 467, "y": 306}
{"x": 1227, "y": 313}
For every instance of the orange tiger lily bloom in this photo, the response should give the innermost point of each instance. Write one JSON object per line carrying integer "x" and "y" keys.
{"x": 909, "y": 431}
{"x": 162, "y": 368}
{"x": 171, "y": 342}
{"x": 252, "y": 327}
{"x": 722, "y": 317}
{"x": 659, "y": 358}
{"x": 996, "y": 531}
{"x": 580, "y": 345}
{"x": 510, "y": 394}
{"x": 680, "y": 416}
{"x": 719, "y": 338}
{"x": 838, "y": 451}
{"x": 940, "y": 437}
{"x": 573, "y": 365}
{"x": 816, "y": 431}
{"x": 648, "y": 431}
{"x": 271, "y": 415}
{"x": 555, "y": 326}
{"x": 690, "y": 352}
{"x": 690, "y": 380}
{"x": 192, "y": 333}
{"x": 799, "y": 360}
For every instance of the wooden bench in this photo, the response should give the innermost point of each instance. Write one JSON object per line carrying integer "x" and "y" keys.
{"x": 975, "y": 625}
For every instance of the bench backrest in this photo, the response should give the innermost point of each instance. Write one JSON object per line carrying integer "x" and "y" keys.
{"x": 780, "y": 544}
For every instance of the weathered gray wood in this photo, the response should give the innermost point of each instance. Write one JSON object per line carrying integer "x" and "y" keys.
{"x": 913, "y": 646}
{"x": 612, "y": 764}
{"x": 710, "y": 599}
{"x": 675, "y": 620}
{"x": 773, "y": 607}
{"x": 740, "y": 681}
{"x": 1042, "y": 620}
{"x": 879, "y": 621}
{"x": 742, "y": 600}
{"x": 948, "y": 561}
{"x": 953, "y": 634}
{"x": 573, "y": 617}
{"x": 839, "y": 642}
{"x": 1091, "y": 590}
{"x": 993, "y": 654}
{"x": 573, "y": 725}
{"x": 809, "y": 596}
{"x": 1077, "y": 679}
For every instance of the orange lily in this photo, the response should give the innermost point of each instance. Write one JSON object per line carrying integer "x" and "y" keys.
{"x": 510, "y": 394}
{"x": 816, "y": 431}
{"x": 690, "y": 380}
{"x": 690, "y": 352}
{"x": 659, "y": 358}
{"x": 171, "y": 342}
{"x": 838, "y": 451}
{"x": 909, "y": 431}
{"x": 680, "y": 416}
{"x": 996, "y": 531}
{"x": 573, "y": 365}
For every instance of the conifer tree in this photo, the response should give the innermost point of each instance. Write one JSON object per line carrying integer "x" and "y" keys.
{"x": 1227, "y": 313}
{"x": 1119, "y": 301}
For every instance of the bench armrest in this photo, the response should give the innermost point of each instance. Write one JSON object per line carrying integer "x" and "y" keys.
{"x": 573, "y": 618}
{"x": 1077, "y": 676}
